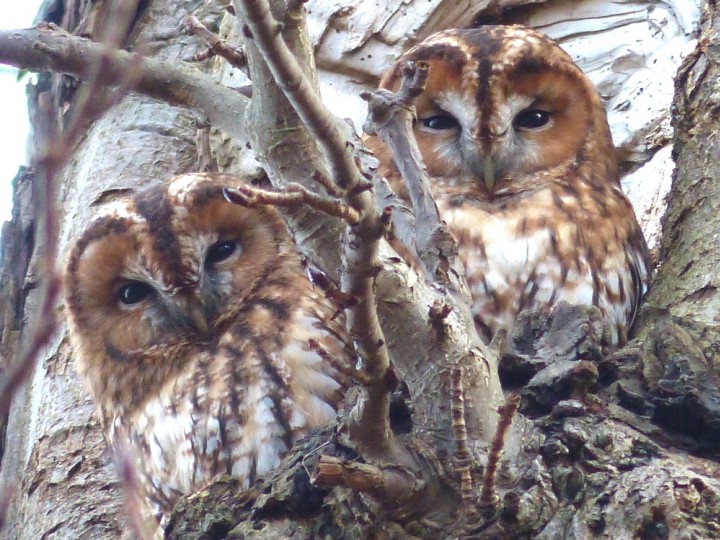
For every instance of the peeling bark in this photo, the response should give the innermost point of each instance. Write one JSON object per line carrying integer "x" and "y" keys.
{"x": 609, "y": 447}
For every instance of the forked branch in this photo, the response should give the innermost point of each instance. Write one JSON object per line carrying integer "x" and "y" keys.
{"x": 390, "y": 116}
{"x": 362, "y": 239}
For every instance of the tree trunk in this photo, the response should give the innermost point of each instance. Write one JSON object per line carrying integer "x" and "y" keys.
{"x": 607, "y": 466}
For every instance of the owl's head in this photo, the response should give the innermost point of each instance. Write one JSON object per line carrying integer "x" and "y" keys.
{"x": 502, "y": 104}
{"x": 164, "y": 270}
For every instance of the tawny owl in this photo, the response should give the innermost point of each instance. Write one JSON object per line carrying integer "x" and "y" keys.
{"x": 191, "y": 319}
{"x": 523, "y": 168}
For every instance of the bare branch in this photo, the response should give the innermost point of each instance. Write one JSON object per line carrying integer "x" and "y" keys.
{"x": 362, "y": 240}
{"x": 293, "y": 195}
{"x": 488, "y": 498}
{"x": 235, "y": 56}
{"x": 385, "y": 483}
{"x": 48, "y": 48}
{"x": 266, "y": 33}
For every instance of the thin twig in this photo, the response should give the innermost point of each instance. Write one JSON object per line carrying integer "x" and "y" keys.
{"x": 488, "y": 498}
{"x": 362, "y": 241}
{"x": 330, "y": 186}
{"x": 342, "y": 299}
{"x": 40, "y": 333}
{"x": 92, "y": 102}
{"x": 339, "y": 365}
{"x": 235, "y": 57}
{"x": 462, "y": 460}
{"x": 293, "y": 195}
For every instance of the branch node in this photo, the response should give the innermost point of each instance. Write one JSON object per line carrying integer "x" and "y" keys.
{"x": 217, "y": 46}
{"x": 359, "y": 187}
{"x": 386, "y": 224}
{"x": 389, "y": 116}
{"x": 332, "y": 291}
{"x": 331, "y": 187}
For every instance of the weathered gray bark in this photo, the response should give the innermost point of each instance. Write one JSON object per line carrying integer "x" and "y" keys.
{"x": 589, "y": 468}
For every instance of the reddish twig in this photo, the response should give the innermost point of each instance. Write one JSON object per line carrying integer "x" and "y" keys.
{"x": 341, "y": 367}
{"x": 134, "y": 501}
{"x": 488, "y": 498}
{"x": 39, "y": 334}
{"x": 92, "y": 102}
{"x": 385, "y": 482}
{"x": 293, "y": 195}
{"x": 342, "y": 299}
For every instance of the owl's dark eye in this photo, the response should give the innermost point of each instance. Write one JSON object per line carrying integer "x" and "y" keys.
{"x": 220, "y": 251}
{"x": 532, "y": 119}
{"x": 134, "y": 292}
{"x": 441, "y": 122}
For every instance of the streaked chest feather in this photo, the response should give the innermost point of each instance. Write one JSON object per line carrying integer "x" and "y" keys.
{"x": 236, "y": 410}
{"x": 532, "y": 257}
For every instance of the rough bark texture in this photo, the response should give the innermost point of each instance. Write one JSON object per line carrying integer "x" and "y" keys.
{"x": 620, "y": 447}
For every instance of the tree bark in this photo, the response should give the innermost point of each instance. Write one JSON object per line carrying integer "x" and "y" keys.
{"x": 600, "y": 459}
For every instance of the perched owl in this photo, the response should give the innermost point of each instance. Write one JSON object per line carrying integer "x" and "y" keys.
{"x": 523, "y": 168}
{"x": 191, "y": 319}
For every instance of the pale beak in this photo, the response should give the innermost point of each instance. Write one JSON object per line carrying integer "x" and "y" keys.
{"x": 489, "y": 173}
{"x": 196, "y": 314}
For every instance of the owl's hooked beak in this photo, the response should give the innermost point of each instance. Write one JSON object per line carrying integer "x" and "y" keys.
{"x": 194, "y": 309}
{"x": 489, "y": 173}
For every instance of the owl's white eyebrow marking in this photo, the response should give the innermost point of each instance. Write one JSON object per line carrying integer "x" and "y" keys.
{"x": 181, "y": 186}
{"x": 120, "y": 209}
{"x": 461, "y": 106}
{"x": 506, "y": 111}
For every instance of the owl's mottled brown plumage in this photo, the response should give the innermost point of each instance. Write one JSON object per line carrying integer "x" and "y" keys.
{"x": 191, "y": 319}
{"x": 522, "y": 165}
